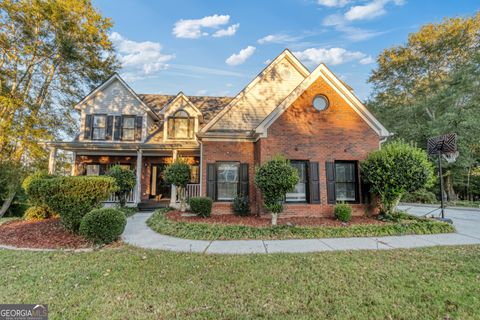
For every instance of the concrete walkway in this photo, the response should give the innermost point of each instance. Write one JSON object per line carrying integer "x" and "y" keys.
{"x": 137, "y": 233}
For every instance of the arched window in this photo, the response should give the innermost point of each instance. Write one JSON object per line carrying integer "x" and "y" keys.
{"x": 180, "y": 125}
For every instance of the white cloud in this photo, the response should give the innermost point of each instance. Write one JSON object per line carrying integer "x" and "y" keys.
{"x": 367, "y": 60}
{"x": 205, "y": 70}
{"x": 358, "y": 34}
{"x": 230, "y": 31}
{"x": 267, "y": 61}
{"x": 239, "y": 58}
{"x": 201, "y": 92}
{"x": 139, "y": 59}
{"x": 192, "y": 28}
{"x": 331, "y": 56}
{"x": 370, "y": 10}
{"x": 333, "y": 3}
{"x": 276, "y": 38}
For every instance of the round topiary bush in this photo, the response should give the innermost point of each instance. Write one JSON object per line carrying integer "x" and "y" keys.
{"x": 343, "y": 212}
{"x": 103, "y": 225}
{"x": 202, "y": 206}
{"x": 38, "y": 213}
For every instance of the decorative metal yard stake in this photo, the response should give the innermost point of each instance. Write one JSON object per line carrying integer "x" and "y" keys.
{"x": 445, "y": 145}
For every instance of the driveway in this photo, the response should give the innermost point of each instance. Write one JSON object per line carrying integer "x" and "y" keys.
{"x": 465, "y": 220}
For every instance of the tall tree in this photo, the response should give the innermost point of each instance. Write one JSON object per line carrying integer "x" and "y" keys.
{"x": 51, "y": 53}
{"x": 431, "y": 84}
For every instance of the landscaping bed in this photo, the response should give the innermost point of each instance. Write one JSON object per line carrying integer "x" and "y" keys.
{"x": 212, "y": 228}
{"x": 265, "y": 221}
{"x": 45, "y": 234}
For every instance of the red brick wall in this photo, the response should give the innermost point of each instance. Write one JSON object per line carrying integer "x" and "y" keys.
{"x": 147, "y": 161}
{"x": 243, "y": 152}
{"x": 302, "y": 133}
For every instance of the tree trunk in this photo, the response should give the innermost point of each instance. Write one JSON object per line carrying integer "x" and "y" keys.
{"x": 451, "y": 195}
{"x": 274, "y": 219}
{"x": 181, "y": 197}
{"x": 6, "y": 204}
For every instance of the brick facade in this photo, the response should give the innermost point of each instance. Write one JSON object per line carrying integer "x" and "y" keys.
{"x": 147, "y": 161}
{"x": 302, "y": 133}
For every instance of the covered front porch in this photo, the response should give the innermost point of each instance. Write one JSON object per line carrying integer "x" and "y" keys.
{"x": 148, "y": 162}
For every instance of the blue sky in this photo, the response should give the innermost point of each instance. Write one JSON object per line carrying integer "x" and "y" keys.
{"x": 217, "y": 47}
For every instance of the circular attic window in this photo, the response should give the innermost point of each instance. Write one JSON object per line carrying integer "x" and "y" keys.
{"x": 320, "y": 103}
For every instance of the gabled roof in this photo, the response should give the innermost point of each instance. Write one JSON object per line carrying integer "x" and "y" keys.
{"x": 339, "y": 86}
{"x": 106, "y": 83}
{"x": 209, "y": 106}
{"x": 248, "y": 116}
{"x": 181, "y": 96}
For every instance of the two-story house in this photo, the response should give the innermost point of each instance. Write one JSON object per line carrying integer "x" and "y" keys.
{"x": 312, "y": 118}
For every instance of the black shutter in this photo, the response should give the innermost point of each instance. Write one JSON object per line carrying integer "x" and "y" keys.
{"x": 314, "y": 181}
{"x": 109, "y": 131}
{"x": 211, "y": 180}
{"x": 87, "y": 133}
{"x": 365, "y": 195}
{"x": 121, "y": 128}
{"x": 118, "y": 128}
{"x": 330, "y": 169}
{"x": 138, "y": 128}
{"x": 243, "y": 190}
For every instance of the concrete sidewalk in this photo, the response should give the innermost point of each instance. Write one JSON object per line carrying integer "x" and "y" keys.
{"x": 137, "y": 233}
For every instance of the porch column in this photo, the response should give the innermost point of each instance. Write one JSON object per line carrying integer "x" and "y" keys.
{"x": 52, "y": 159}
{"x": 173, "y": 194}
{"x": 74, "y": 166}
{"x": 138, "y": 186}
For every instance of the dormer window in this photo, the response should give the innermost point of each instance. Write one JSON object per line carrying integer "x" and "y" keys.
{"x": 181, "y": 125}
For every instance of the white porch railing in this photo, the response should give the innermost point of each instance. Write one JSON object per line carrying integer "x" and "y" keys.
{"x": 192, "y": 190}
{"x": 114, "y": 198}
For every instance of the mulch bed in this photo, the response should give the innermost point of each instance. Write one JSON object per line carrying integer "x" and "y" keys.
{"x": 265, "y": 221}
{"x": 44, "y": 234}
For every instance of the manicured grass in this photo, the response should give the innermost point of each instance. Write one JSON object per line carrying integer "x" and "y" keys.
{"x": 130, "y": 283}
{"x": 207, "y": 231}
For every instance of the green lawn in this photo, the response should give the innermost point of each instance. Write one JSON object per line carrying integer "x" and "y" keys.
{"x": 208, "y": 231}
{"x": 130, "y": 283}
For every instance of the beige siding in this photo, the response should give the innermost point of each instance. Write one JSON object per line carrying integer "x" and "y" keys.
{"x": 256, "y": 104}
{"x": 115, "y": 99}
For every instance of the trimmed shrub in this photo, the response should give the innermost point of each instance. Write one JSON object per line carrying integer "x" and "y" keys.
{"x": 103, "y": 225}
{"x": 394, "y": 170}
{"x": 275, "y": 178}
{"x": 38, "y": 213}
{"x": 241, "y": 206}
{"x": 420, "y": 196}
{"x": 178, "y": 174}
{"x": 72, "y": 197}
{"x": 124, "y": 180}
{"x": 343, "y": 212}
{"x": 202, "y": 206}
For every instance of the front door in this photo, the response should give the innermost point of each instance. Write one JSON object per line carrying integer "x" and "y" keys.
{"x": 159, "y": 189}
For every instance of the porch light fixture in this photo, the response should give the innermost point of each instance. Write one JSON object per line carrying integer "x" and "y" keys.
{"x": 320, "y": 102}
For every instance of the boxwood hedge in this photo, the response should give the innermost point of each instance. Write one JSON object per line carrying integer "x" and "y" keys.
{"x": 71, "y": 197}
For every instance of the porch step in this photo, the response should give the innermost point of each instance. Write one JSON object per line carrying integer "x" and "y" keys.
{"x": 152, "y": 205}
